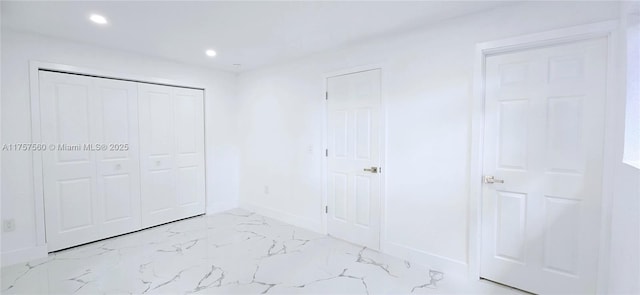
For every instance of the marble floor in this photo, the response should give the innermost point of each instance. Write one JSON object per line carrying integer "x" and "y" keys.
{"x": 235, "y": 252}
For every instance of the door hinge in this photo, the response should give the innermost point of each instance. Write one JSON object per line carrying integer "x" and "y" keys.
{"x": 326, "y": 209}
{"x": 326, "y": 152}
{"x": 326, "y": 95}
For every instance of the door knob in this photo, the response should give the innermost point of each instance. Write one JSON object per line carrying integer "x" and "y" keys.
{"x": 492, "y": 179}
{"x": 372, "y": 169}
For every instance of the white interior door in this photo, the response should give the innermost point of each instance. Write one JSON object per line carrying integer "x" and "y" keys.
{"x": 88, "y": 195}
{"x": 544, "y": 125}
{"x": 172, "y": 153}
{"x": 353, "y": 195}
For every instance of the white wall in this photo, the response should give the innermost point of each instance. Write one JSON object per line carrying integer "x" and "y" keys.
{"x": 624, "y": 268}
{"x": 427, "y": 77}
{"x": 18, "y": 49}
{"x": 427, "y": 81}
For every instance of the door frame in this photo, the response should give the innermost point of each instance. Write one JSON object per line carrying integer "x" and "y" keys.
{"x": 614, "y": 109}
{"x": 382, "y": 139}
{"x": 35, "y": 67}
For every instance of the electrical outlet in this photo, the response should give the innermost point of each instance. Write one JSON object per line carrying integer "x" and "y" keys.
{"x": 266, "y": 189}
{"x": 8, "y": 225}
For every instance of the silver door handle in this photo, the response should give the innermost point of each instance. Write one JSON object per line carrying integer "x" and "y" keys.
{"x": 492, "y": 179}
{"x": 372, "y": 169}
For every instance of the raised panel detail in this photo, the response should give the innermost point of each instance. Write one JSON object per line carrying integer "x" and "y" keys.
{"x": 187, "y": 185}
{"x": 565, "y": 152}
{"x": 561, "y": 240}
{"x": 513, "y": 73}
{"x": 75, "y": 204}
{"x": 340, "y": 134}
{"x": 362, "y": 90}
{"x": 512, "y": 139}
{"x": 510, "y": 226}
{"x": 115, "y": 119}
{"x": 340, "y": 196}
{"x": 117, "y": 197}
{"x": 363, "y": 134}
{"x": 363, "y": 197}
{"x": 161, "y": 186}
{"x": 72, "y": 112}
{"x": 568, "y": 67}
{"x": 160, "y": 121}
{"x": 186, "y": 128}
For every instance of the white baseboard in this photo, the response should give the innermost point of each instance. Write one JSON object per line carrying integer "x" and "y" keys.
{"x": 23, "y": 255}
{"x": 220, "y": 207}
{"x": 285, "y": 217}
{"x": 433, "y": 261}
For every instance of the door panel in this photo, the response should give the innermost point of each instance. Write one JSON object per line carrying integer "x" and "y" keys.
{"x": 189, "y": 118}
{"x": 156, "y": 150}
{"x": 76, "y": 204}
{"x": 72, "y": 106}
{"x": 339, "y": 195}
{"x": 89, "y": 194}
{"x": 116, "y": 119}
{"x": 339, "y": 122}
{"x": 159, "y": 106}
{"x": 188, "y": 186}
{"x": 564, "y": 151}
{"x": 172, "y": 149}
{"x": 363, "y": 134}
{"x": 544, "y": 119}
{"x": 363, "y": 200}
{"x": 512, "y": 145}
{"x": 118, "y": 168}
{"x": 186, "y": 123}
{"x": 562, "y": 224}
{"x": 69, "y": 172}
{"x": 161, "y": 188}
{"x": 353, "y": 193}
{"x": 510, "y": 226}
{"x": 117, "y": 197}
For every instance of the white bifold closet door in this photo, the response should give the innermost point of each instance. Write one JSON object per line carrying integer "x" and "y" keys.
{"x": 172, "y": 149}
{"x": 88, "y": 195}
{"x": 159, "y": 177}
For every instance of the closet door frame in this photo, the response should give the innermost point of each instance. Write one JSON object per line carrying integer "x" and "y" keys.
{"x": 40, "y": 250}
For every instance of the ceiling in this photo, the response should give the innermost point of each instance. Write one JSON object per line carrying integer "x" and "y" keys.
{"x": 252, "y": 34}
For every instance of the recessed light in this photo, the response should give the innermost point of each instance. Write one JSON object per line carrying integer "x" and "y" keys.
{"x": 98, "y": 19}
{"x": 210, "y": 52}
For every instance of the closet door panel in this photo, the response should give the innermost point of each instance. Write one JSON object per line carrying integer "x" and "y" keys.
{"x": 157, "y": 154}
{"x": 162, "y": 193}
{"x": 188, "y": 188}
{"x": 160, "y": 128}
{"x": 69, "y": 178}
{"x": 172, "y": 152}
{"x": 118, "y": 161}
{"x": 189, "y": 126}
